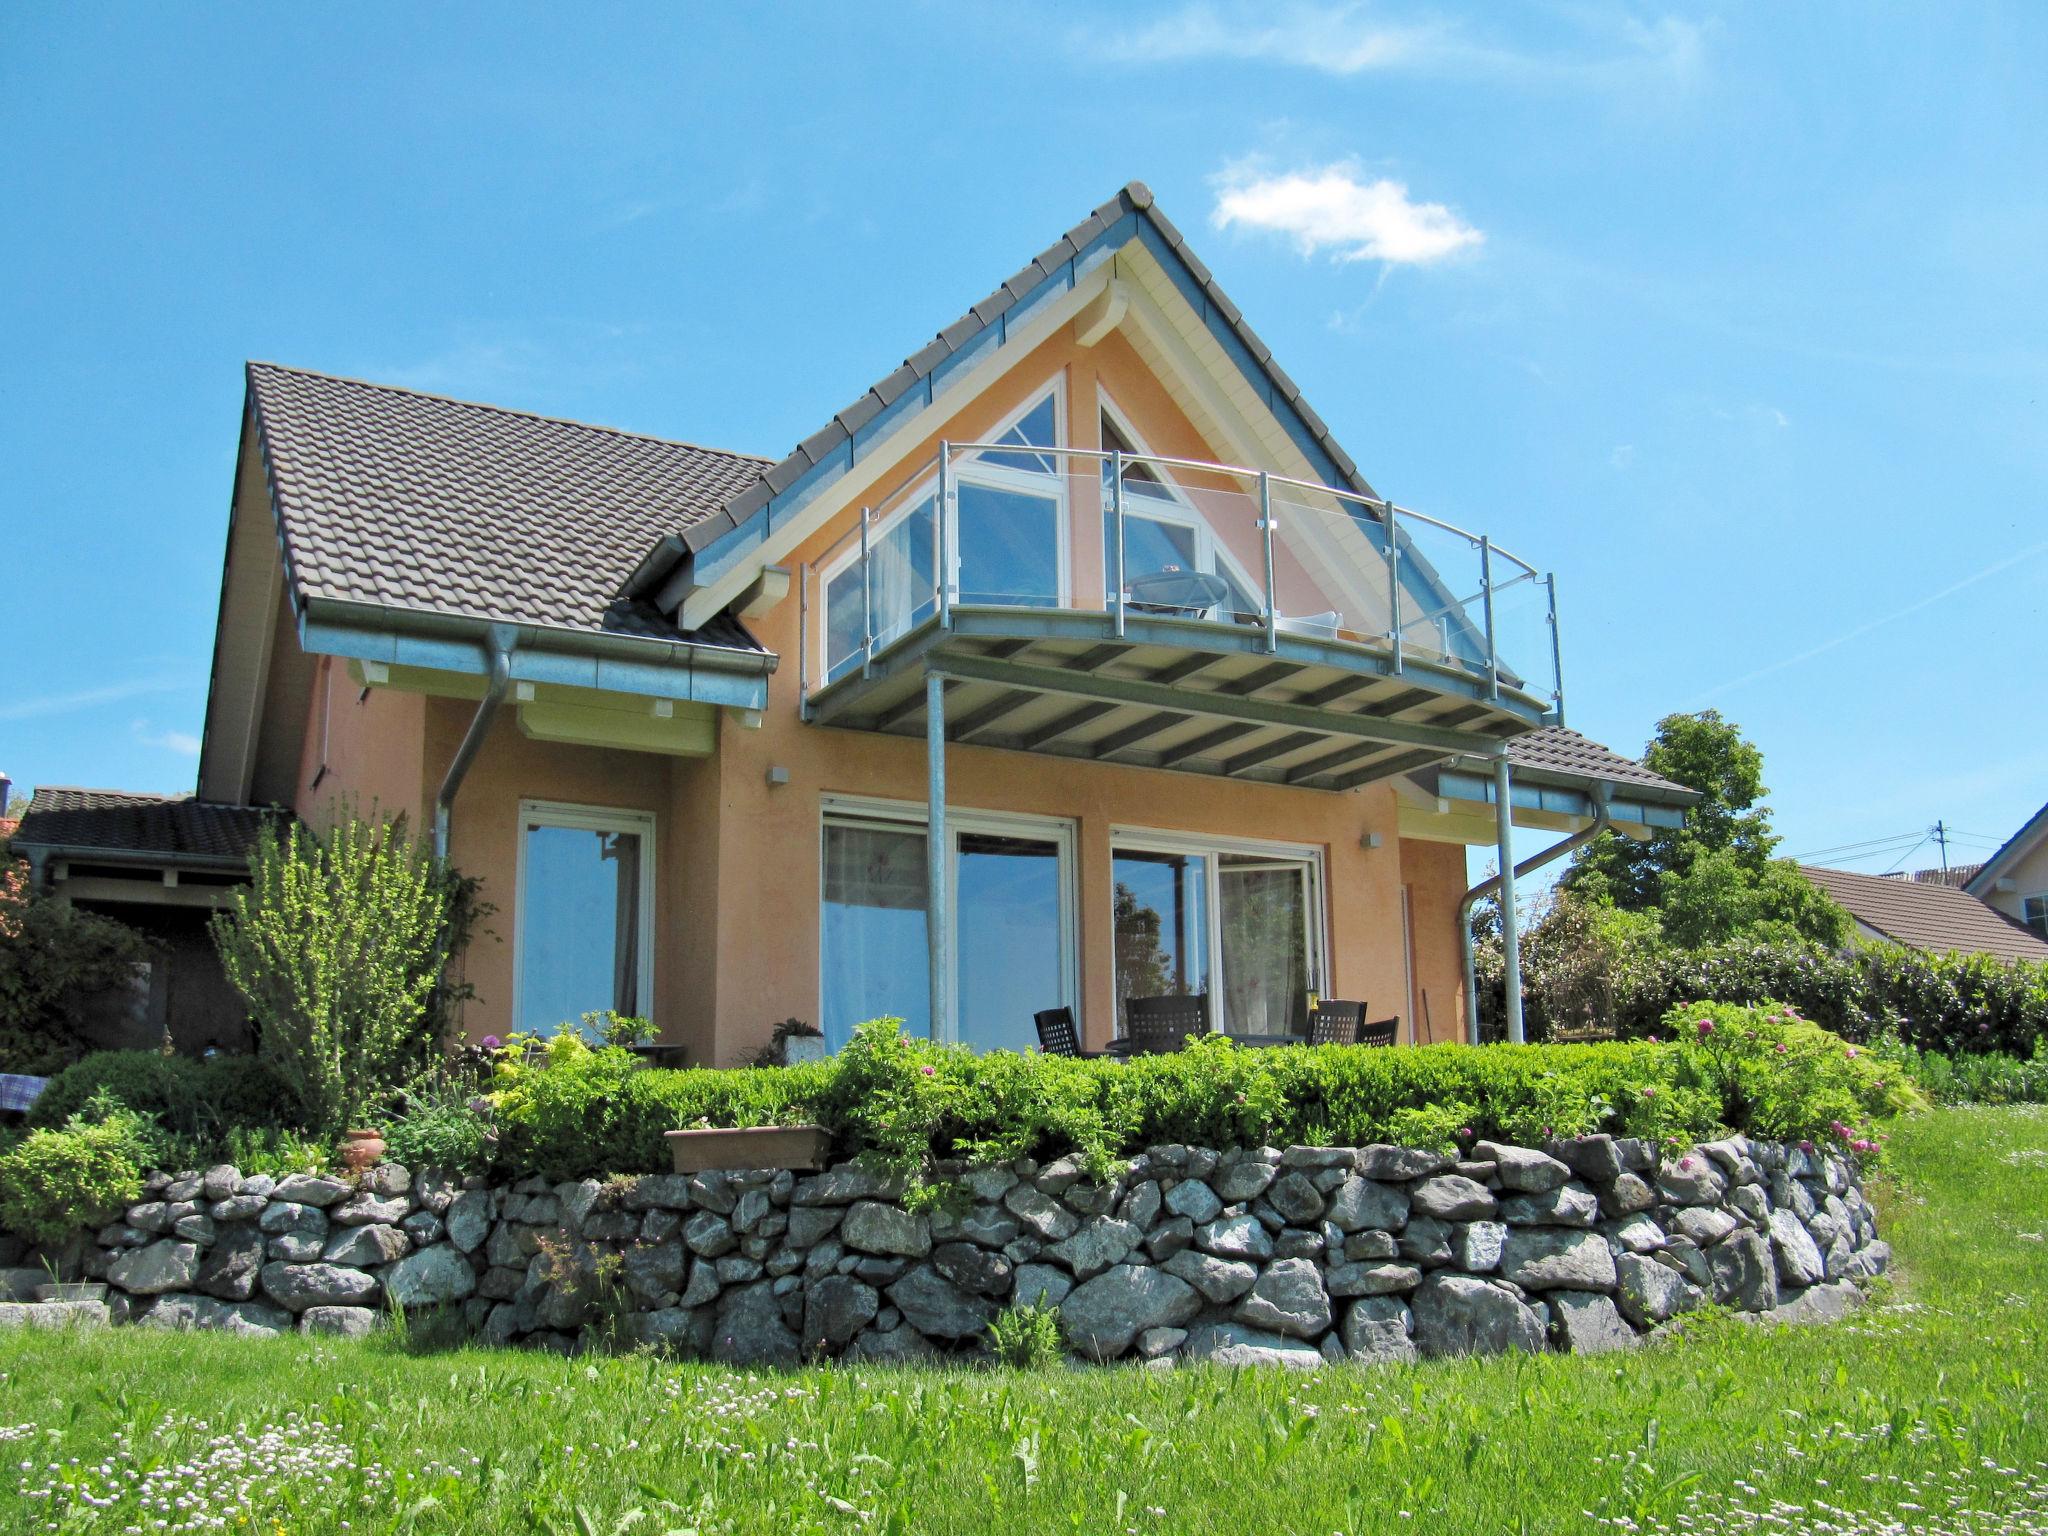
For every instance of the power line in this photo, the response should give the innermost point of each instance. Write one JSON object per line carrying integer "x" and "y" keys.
{"x": 1915, "y": 849}
{"x": 1872, "y": 845}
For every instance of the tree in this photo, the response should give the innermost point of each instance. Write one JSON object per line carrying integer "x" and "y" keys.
{"x": 1713, "y": 877}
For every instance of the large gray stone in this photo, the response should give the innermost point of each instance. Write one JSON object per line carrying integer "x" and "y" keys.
{"x": 659, "y": 1192}
{"x": 232, "y": 1264}
{"x": 1557, "y": 1258}
{"x": 707, "y": 1235}
{"x": 1596, "y": 1159}
{"x": 1295, "y": 1197}
{"x": 1568, "y": 1205}
{"x": 252, "y": 1319}
{"x": 1522, "y": 1168}
{"x": 469, "y": 1219}
{"x": 1371, "y": 1279}
{"x": 290, "y": 1218}
{"x": 299, "y": 1286}
{"x": 1476, "y": 1246}
{"x": 165, "y": 1265}
{"x": 1427, "y": 1241}
{"x": 1102, "y": 1316}
{"x": 1236, "y": 1345}
{"x": 1041, "y": 1213}
{"x": 1101, "y": 1242}
{"x": 1361, "y": 1204}
{"x": 893, "y": 1346}
{"x": 312, "y": 1189}
{"x": 430, "y": 1277}
{"x": 1400, "y": 1164}
{"x": 809, "y": 1224}
{"x": 1626, "y": 1195}
{"x": 1818, "y": 1304}
{"x": 1195, "y": 1200}
{"x": 345, "y": 1322}
{"x": 935, "y": 1306}
{"x": 1452, "y": 1197}
{"x": 1799, "y": 1258}
{"x": 1241, "y": 1178}
{"x": 54, "y": 1314}
{"x": 1040, "y": 1285}
{"x": 237, "y": 1208}
{"x": 1379, "y": 1329}
{"x": 654, "y": 1271}
{"x": 364, "y": 1246}
{"x": 751, "y": 1329}
{"x": 973, "y": 1268}
{"x": 1649, "y": 1293}
{"x": 1458, "y": 1315}
{"x": 1219, "y": 1279}
{"x": 1704, "y": 1225}
{"x": 845, "y": 1184}
{"x": 1587, "y": 1323}
{"x": 366, "y": 1208}
{"x": 1692, "y": 1180}
{"x": 1236, "y": 1237}
{"x": 988, "y": 1225}
{"x": 1288, "y": 1298}
{"x": 872, "y": 1227}
{"x": 1745, "y": 1276}
{"x": 835, "y": 1309}
{"x": 703, "y": 1286}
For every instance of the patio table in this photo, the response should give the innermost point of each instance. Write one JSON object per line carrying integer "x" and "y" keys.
{"x": 1123, "y": 1049}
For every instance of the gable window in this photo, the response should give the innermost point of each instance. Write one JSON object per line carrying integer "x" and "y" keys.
{"x": 1164, "y": 530}
{"x": 1006, "y": 541}
{"x": 2034, "y": 913}
{"x": 1239, "y": 923}
{"x": 1011, "y": 923}
{"x": 584, "y": 930}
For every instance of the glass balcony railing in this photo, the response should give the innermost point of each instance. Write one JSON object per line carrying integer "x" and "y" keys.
{"x": 1136, "y": 537}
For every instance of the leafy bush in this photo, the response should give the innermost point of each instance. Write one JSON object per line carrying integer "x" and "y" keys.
{"x": 56, "y": 1182}
{"x": 53, "y": 958}
{"x": 200, "y": 1100}
{"x": 259, "y": 1150}
{"x": 446, "y": 1128}
{"x": 1983, "y": 1077}
{"x": 901, "y": 1103}
{"x": 340, "y": 944}
{"x": 1027, "y": 1336}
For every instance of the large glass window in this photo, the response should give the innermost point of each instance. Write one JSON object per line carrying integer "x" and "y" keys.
{"x": 585, "y": 918}
{"x": 1162, "y": 530}
{"x": 1009, "y": 545}
{"x": 902, "y": 555}
{"x": 2036, "y": 910}
{"x": 1011, "y": 926}
{"x": 1241, "y": 924}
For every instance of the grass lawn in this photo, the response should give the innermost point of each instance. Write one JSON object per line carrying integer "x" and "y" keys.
{"x": 1928, "y": 1412}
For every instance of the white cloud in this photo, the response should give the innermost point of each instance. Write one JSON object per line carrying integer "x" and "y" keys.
{"x": 1337, "y": 40}
{"x": 66, "y": 703}
{"x": 184, "y": 743}
{"x": 1336, "y": 208}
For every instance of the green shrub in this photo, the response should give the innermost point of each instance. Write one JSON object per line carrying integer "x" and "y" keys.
{"x": 199, "y": 1101}
{"x": 443, "y": 1128}
{"x": 53, "y": 958}
{"x": 1027, "y": 1336}
{"x": 1980, "y": 1077}
{"x": 259, "y": 1150}
{"x": 55, "y": 1183}
{"x": 901, "y": 1103}
{"x": 340, "y": 944}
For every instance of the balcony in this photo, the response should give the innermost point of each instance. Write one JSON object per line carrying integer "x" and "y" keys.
{"x": 1171, "y": 613}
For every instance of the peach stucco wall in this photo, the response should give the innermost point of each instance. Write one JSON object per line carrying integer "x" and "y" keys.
{"x": 738, "y": 860}
{"x": 2029, "y": 876}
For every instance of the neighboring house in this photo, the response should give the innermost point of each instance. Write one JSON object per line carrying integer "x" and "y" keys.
{"x": 694, "y": 716}
{"x": 159, "y": 863}
{"x": 2015, "y": 879}
{"x": 1927, "y": 915}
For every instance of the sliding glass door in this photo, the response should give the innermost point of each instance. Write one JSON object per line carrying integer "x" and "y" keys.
{"x": 1011, "y": 923}
{"x": 584, "y": 925}
{"x": 1239, "y": 923}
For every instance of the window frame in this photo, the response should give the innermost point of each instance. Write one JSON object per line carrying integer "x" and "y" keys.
{"x": 1187, "y": 514}
{"x": 1316, "y": 877}
{"x": 2028, "y": 922}
{"x": 1062, "y": 832}
{"x": 585, "y": 818}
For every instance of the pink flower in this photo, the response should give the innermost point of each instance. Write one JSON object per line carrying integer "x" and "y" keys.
{"x": 1806, "y": 1146}
{"x": 1783, "y": 1048}
{"x": 1685, "y": 1162}
{"x": 931, "y": 1071}
{"x": 491, "y": 1042}
{"x": 1649, "y": 1093}
{"x": 1706, "y": 1027}
{"x": 1852, "y": 1052}
{"x": 1465, "y": 1132}
{"x": 1651, "y": 1038}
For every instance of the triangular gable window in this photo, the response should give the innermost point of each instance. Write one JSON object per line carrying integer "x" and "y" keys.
{"x": 1036, "y": 428}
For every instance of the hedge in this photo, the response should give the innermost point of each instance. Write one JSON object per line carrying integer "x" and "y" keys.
{"x": 198, "y": 1100}
{"x": 902, "y": 1102}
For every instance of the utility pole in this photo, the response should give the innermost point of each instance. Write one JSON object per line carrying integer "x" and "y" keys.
{"x": 1941, "y": 837}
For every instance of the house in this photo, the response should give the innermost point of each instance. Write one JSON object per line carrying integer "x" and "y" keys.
{"x": 1926, "y": 914}
{"x": 1084, "y": 594}
{"x": 2015, "y": 879}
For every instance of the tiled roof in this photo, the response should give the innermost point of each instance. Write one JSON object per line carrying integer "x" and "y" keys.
{"x": 1955, "y": 874}
{"x": 1557, "y": 750}
{"x": 1934, "y": 917}
{"x": 168, "y": 828}
{"x": 2012, "y": 849}
{"x": 407, "y": 500}
{"x": 1134, "y": 197}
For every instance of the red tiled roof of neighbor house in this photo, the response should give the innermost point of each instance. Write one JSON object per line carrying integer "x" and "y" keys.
{"x": 1933, "y": 917}
{"x": 170, "y": 829}
{"x": 1557, "y": 750}
{"x": 399, "y": 499}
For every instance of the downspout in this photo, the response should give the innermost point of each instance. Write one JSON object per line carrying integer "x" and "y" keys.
{"x": 473, "y": 738}
{"x": 1602, "y": 821}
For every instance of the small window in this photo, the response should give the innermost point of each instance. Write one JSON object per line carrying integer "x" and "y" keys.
{"x": 1038, "y": 427}
{"x": 2034, "y": 912}
{"x": 585, "y": 922}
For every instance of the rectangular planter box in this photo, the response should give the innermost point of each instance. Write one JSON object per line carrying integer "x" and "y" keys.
{"x": 761, "y": 1146}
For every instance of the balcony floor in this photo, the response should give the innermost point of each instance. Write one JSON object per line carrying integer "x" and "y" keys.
{"x": 1189, "y": 695}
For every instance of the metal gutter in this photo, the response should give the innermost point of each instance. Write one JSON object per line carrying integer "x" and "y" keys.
{"x": 479, "y": 727}
{"x": 1602, "y": 822}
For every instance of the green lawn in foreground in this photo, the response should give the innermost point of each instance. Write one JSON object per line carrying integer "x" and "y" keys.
{"x": 1914, "y": 1414}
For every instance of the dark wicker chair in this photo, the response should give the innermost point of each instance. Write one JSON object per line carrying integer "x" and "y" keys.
{"x": 1057, "y": 1034}
{"x": 1165, "y": 1023}
{"x": 1335, "y": 1022}
{"x": 1380, "y": 1032}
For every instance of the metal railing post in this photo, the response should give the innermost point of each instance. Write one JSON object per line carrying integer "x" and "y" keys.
{"x": 1393, "y": 582}
{"x": 1116, "y": 502}
{"x": 1556, "y": 651}
{"x": 867, "y": 602}
{"x": 942, "y": 564}
{"x": 1266, "y": 533}
{"x": 938, "y": 854}
{"x": 1510, "y": 919}
{"x": 1486, "y": 586}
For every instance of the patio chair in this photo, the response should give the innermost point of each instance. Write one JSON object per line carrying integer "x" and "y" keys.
{"x": 1335, "y": 1022}
{"x": 1164, "y": 1023}
{"x": 1057, "y": 1034}
{"x": 1380, "y": 1032}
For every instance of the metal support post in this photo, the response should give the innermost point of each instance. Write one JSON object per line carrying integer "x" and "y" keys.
{"x": 936, "y": 849}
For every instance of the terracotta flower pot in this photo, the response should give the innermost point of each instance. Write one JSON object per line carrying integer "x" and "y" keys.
{"x": 760, "y": 1146}
{"x": 361, "y": 1149}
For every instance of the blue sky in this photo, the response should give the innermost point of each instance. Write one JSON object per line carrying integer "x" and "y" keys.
{"x": 1735, "y": 315}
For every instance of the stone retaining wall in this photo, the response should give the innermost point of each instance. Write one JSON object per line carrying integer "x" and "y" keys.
{"x": 1250, "y": 1256}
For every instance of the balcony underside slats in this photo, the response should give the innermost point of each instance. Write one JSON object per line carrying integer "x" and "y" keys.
{"x": 1169, "y": 695}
